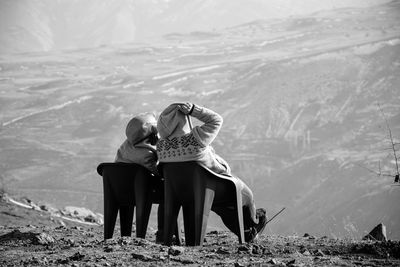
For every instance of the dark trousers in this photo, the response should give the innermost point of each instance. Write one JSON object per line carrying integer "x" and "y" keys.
{"x": 229, "y": 218}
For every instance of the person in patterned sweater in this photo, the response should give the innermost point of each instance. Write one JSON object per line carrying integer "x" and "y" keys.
{"x": 179, "y": 141}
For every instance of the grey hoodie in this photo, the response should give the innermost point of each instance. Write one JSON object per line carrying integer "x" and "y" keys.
{"x": 137, "y": 147}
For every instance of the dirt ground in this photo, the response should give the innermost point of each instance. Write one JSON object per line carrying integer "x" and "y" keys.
{"x": 33, "y": 238}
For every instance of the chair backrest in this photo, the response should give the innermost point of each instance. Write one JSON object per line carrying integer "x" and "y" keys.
{"x": 119, "y": 177}
{"x": 189, "y": 175}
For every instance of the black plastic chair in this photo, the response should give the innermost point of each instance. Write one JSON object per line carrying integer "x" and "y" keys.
{"x": 126, "y": 186}
{"x": 197, "y": 190}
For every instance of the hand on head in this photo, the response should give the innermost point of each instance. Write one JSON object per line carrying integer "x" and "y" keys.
{"x": 186, "y": 108}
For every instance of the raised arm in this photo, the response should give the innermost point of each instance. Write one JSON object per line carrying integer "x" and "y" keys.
{"x": 207, "y": 132}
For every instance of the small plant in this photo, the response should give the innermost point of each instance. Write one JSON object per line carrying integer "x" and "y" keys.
{"x": 394, "y": 151}
{"x": 393, "y": 145}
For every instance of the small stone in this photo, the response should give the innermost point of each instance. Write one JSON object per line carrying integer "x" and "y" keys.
{"x": 77, "y": 256}
{"x": 237, "y": 264}
{"x": 243, "y": 248}
{"x": 175, "y": 250}
{"x": 292, "y": 263}
{"x": 319, "y": 253}
{"x": 71, "y": 242}
{"x": 183, "y": 260}
{"x": 268, "y": 251}
{"x": 138, "y": 241}
{"x": 44, "y": 207}
{"x": 110, "y": 241}
{"x": 273, "y": 261}
{"x": 43, "y": 239}
{"x": 306, "y": 253}
{"x": 222, "y": 251}
{"x": 63, "y": 261}
{"x": 142, "y": 257}
{"x": 90, "y": 218}
{"x": 125, "y": 240}
{"x": 257, "y": 249}
{"x": 108, "y": 249}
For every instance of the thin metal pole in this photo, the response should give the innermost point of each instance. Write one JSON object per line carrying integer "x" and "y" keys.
{"x": 275, "y": 215}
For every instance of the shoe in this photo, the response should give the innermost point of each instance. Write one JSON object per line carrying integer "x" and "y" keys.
{"x": 261, "y": 215}
{"x": 250, "y": 235}
{"x": 253, "y": 232}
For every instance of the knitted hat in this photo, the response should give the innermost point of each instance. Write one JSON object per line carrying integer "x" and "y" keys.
{"x": 170, "y": 120}
{"x": 140, "y": 126}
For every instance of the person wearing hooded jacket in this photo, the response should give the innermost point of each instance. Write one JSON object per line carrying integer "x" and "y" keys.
{"x": 179, "y": 141}
{"x": 140, "y": 144}
{"x": 140, "y": 148}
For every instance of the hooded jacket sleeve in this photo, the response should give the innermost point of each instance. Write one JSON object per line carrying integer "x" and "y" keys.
{"x": 207, "y": 132}
{"x": 150, "y": 162}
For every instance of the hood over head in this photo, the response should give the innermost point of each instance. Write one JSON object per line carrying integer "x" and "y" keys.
{"x": 170, "y": 120}
{"x": 140, "y": 127}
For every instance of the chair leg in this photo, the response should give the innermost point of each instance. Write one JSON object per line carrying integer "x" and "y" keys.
{"x": 202, "y": 211}
{"x": 160, "y": 222}
{"x": 170, "y": 223}
{"x": 110, "y": 210}
{"x": 189, "y": 225}
{"x": 239, "y": 208}
{"x": 178, "y": 233}
{"x": 143, "y": 203}
{"x": 171, "y": 211}
{"x": 204, "y": 192}
{"x": 142, "y": 218}
{"x": 126, "y": 219}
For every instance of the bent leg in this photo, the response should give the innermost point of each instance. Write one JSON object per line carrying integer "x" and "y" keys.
{"x": 229, "y": 218}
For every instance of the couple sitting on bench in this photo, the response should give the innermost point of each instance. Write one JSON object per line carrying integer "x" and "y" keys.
{"x": 180, "y": 142}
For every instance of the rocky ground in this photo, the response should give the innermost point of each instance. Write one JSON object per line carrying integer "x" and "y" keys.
{"x": 30, "y": 237}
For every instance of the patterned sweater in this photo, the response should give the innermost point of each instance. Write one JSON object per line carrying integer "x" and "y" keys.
{"x": 195, "y": 146}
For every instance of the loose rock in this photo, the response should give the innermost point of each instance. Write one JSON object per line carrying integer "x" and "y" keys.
{"x": 243, "y": 248}
{"x": 141, "y": 256}
{"x": 77, "y": 256}
{"x": 319, "y": 253}
{"x": 175, "y": 250}
{"x": 378, "y": 233}
{"x": 43, "y": 239}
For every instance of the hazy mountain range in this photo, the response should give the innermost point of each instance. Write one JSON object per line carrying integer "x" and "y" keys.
{"x": 299, "y": 96}
{"x": 43, "y": 25}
